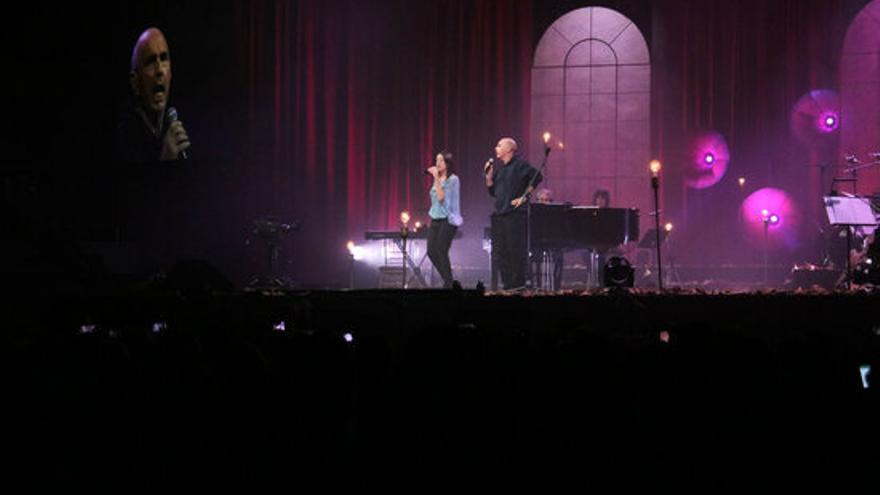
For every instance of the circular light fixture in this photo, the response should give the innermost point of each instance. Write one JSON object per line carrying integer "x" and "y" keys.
{"x": 709, "y": 159}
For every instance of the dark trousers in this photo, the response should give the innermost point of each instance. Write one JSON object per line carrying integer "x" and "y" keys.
{"x": 510, "y": 249}
{"x": 439, "y": 241}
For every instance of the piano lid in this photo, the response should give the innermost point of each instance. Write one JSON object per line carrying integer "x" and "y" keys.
{"x": 563, "y": 226}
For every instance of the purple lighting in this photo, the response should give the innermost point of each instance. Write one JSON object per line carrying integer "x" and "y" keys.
{"x": 815, "y": 116}
{"x": 830, "y": 122}
{"x": 709, "y": 159}
{"x": 772, "y": 210}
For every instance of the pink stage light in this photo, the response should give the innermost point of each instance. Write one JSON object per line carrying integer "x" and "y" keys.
{"x": 780, "y": 213}
{"x": 816, "y": 116}
{"x": 708, "y": 160}
{"x": 829, "y": 123}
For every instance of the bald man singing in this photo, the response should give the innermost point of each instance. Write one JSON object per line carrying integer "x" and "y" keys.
{"x": 510, "y": 180}
{"x": 149, "y": 131}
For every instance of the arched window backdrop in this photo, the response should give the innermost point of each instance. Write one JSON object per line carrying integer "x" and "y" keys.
{"x": 591, "y": 88}
{"x": 860, "y": 93}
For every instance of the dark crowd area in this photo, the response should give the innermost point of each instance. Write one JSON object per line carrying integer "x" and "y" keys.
{"x": 158, "y": 388}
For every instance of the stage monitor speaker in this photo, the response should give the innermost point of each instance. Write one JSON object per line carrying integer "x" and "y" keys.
{"x": 617, "y": 272}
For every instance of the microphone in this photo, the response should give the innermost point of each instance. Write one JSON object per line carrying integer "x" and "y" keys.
{"x": 488, "y": 164}
{"x": 171, "y": 113}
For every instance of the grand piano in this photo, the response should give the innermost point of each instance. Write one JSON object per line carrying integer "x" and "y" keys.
{"x": 566, "y": 227}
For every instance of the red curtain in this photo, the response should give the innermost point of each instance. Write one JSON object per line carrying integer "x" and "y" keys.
{"x": 348, "y": 101}
{"x": 739, "y": 68}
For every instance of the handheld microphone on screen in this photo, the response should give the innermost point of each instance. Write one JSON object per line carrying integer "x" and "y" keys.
{"x": 172, "y": 116}
{"x": 488, "y": 164}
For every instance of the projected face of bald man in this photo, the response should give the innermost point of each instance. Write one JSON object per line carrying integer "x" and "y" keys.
{"x": 150, "y": 75}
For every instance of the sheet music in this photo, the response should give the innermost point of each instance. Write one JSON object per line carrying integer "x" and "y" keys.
{"x": 842, "y": 210}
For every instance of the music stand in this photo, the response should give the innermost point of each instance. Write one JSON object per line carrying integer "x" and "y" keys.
{"x": 849, "y": 212}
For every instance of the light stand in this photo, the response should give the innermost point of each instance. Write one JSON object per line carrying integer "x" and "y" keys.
{"x": 765, "y": 218}
{"x": 529, "y": 283}
{"x": 525, "y": 196}
{"x": 655, "y": 185}
{"x": 404, "y": 234}
{"x": 350, "y": 246}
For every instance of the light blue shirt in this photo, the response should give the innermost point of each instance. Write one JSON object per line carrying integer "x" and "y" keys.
{"x": 449, "y": 208}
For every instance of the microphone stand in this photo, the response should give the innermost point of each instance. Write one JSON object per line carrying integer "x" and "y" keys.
{"x": 525, "y": 196}
{"x": 404, "y": 233}
{"x": 854, "y": 172}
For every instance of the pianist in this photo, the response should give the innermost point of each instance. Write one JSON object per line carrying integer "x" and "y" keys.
{"x": 510, "y": 180}
{"x": 602, "y": 198}
{"x": 445, "y": 215}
